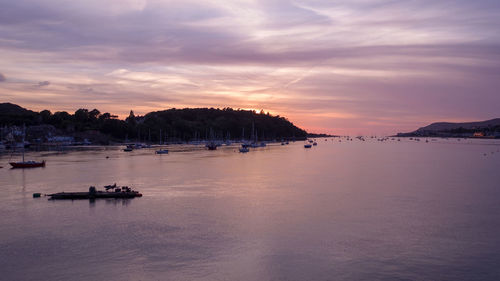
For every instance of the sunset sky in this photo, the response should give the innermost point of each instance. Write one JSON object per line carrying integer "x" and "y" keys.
{"x": 345, "y": 67}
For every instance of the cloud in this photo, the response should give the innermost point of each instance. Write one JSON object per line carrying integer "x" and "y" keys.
{"x": 43, "y": 83}
{"x": 334, "y": 63}
{"x": 2, "y": 77}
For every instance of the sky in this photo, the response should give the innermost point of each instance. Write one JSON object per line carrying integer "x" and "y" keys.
{"x": 341, "y": 67}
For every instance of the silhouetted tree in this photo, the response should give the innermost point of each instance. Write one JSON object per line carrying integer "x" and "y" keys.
{"x": 131, "y": 119}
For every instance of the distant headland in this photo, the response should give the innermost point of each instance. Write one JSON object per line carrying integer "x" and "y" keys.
{"x": 172, "y": 125}
{"x": 480, "y": 129}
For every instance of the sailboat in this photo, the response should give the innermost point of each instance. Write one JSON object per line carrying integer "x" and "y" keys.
{"x": 244, "y": 143}
{"x": 162, "y": 151}
{"x": 29, "y": 163}
{"x": 211, "y": 145}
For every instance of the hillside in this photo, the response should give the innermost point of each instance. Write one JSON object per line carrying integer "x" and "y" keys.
{"x": 173, "y": 124}
{"x": 12, "y": 114}
{"x": 205, "y": 123}
{"x": 465, "y": 129}
{"x": 444, "y": 126}
{"x": 8, "y": 108}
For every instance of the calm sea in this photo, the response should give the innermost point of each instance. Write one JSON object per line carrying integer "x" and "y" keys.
{"x": 347, "y": 210}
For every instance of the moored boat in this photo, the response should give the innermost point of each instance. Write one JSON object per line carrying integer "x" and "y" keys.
{"x": 27, "y": 164}
{"x": 246, "y": 145}
{"x": 24, "y": 163}
{"x": 162, "y": 151}
{"x": 254, "y": 145}
{"x": 211, "y": 146}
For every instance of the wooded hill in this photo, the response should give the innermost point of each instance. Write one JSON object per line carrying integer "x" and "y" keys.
{"x": 447, "y": 129}
{"x": 175, "y": 124}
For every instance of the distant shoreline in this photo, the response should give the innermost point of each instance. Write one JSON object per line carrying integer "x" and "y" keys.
{"x": 489, "y": 129}
{"x": 321, "y": 136}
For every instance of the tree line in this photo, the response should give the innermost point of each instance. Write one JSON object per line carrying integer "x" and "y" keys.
{"x": 167, "y": 125}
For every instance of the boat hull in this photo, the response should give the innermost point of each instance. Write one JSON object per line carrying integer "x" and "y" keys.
{"x": 211, "y": 147}
{"x": 27, "y": 165}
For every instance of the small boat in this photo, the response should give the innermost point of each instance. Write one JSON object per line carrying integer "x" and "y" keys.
{"x": 282, "y": 143}
{"x": 254, "y": 145}
{"x": 244, "y": 149}
{"x": 211, "y": 146}
{"x": 162, "y": 151}
{"x": 307, "y": 145}
{"x": 315, "y": 143}
{"x": 27, "y": 164}
{"x": 128, "y": 149}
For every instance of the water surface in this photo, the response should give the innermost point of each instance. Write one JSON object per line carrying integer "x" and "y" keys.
{"x": 347, "y": 210}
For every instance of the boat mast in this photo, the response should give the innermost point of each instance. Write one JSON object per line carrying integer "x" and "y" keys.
{"x": 24, "y": 135}
{"x": 253, "y": 132}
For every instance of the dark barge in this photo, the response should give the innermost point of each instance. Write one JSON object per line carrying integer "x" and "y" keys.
{"x": 123, "y": 192}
